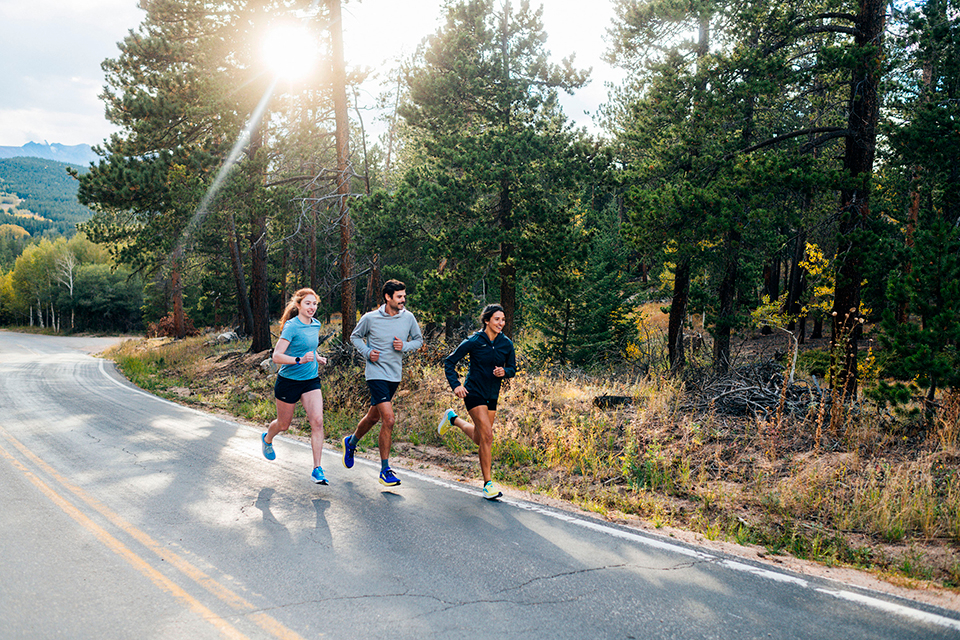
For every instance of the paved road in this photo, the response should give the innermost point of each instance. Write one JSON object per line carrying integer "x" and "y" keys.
{"x": 126, "y": 516}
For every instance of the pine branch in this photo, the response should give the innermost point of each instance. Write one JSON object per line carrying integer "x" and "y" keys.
{"x": 835, "y": 132}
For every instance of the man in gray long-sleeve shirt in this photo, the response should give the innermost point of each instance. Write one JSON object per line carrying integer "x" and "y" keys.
{"x": 382, "y": 337}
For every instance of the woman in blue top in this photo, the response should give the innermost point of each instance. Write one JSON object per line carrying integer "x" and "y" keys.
{"x": 492, "y": 359}
{"x": 296, "y": 353}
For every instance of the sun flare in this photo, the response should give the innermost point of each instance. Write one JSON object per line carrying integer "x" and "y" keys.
{"x": 290, "y": 51}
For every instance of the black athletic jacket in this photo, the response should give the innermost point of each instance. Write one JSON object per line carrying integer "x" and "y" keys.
{"x": 484, "y": 356}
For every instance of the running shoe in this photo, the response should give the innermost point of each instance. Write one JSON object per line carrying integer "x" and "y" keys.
{"x": 446, "y": 421}
{"x": 388, "y": 478}
{"x": 268, "y": 451}
{"x": 318, "y": 476}
{"x": 348, "y": 451}
{"x": 491, "y": 491}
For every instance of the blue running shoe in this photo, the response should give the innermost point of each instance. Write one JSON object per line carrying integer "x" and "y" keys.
{"x": 388, "y": 478}
{"x": 268, "y": 451}
{"x": 446, "y": 421}
{"x": 318, "y": 476}
{"x": 348, "y": 451}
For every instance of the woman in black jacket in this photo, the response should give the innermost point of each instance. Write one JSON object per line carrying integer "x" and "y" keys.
{"x": 492, "y": 359}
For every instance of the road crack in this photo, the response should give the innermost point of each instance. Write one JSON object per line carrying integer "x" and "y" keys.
{"x": 625, "y": 565}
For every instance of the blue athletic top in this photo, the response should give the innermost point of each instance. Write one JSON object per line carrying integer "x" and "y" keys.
{"x": 484, "y": 356}
{"x": 303, "y": 339}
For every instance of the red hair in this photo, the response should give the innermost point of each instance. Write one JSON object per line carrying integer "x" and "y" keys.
{"x": 293, "y": 307}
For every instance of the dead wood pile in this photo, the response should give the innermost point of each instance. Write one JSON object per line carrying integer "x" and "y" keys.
{"x": 756, "y": 389}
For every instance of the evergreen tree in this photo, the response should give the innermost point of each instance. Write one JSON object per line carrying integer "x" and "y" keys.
{"x": 182, "y": 90}
{"x": 499, "y": 154}
{"x": 582, "y": 308}
{"x": 920, "y": 194}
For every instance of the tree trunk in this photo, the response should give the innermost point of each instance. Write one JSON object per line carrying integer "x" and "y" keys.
{"x": 678, "y": 313}
{"x": 769, "y": 287}
{"x": 312, "y": 231}
{"x": 727, "y": 304}
{"x": 565, "y": 338}
{"x": 508, "y": 272}
{"x": 348, "y": 302}
{"x": 259, "y": 296}
{"x": 796, "y": 283}
{"x": 285, "y": 269}
{"x": 855, "y": 202}
{"x": 371, "y": 299}
{"x": 176, "y": 292}
{"x": 236, "y": 265}
{"x": 817, "y": 332}
{"x": 727, "y": 293}
{"x": 259, "y": 287}
{"x": 914, "y": 211}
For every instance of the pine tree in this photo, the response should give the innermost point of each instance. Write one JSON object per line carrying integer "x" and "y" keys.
{"x": 583, "y": 308}
{"x": 483, "y": 106}
{"x": 920, "y": 194}
{"x": 182, "y": 89}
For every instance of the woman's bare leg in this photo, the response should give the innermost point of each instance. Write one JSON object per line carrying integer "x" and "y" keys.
{"x": 313, "y": 405}
{"x": 481, "y": 432}
{"x": 282, "y": 422}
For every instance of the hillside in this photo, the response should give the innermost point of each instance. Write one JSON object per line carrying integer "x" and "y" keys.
{"x": 38, "y": 195}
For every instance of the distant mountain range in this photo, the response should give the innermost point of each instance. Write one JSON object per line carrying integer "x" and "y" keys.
{"x": 81, "y": 154}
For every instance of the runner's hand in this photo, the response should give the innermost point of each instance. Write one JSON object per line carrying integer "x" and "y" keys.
{"x": 397, "y": 344}
{"x": 374, "y": 355}
{"x": 460, "y": 392}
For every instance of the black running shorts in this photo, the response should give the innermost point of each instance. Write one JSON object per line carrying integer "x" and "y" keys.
{"x": 472, "y": 401}
{"x": 289, "y": 391}
{"x": 381, "y": 391}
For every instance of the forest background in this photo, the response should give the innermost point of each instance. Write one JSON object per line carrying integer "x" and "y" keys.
{"x": 766, "y": 167}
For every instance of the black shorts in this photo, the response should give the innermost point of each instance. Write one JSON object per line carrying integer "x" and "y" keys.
{"x": 472, "y": 401}
{"x": 381, "y": 391}
{"x": 289, "y": 391}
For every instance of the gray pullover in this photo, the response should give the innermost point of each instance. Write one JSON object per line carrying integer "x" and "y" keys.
{"x": 376, "y": 331}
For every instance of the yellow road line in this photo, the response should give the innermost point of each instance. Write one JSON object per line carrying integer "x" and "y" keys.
{"x": 124, "y": 552}
{"x": 264, "y": 621}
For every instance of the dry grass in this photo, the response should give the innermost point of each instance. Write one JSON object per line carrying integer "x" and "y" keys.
{"x": 858, "y": 491}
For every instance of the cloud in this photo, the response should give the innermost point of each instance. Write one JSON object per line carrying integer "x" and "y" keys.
{"x": 50, "y": 57}
{"x": 21, "y": 126}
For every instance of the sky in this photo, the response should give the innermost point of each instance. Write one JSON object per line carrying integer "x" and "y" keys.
{"x": 51, "y": 50}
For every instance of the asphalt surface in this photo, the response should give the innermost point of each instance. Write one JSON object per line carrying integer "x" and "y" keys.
{"x": 126, "y": 516}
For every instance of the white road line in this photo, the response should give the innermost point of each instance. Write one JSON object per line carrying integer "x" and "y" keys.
{"x": 897, "y": 609}
{"x": 764, "y": 573}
